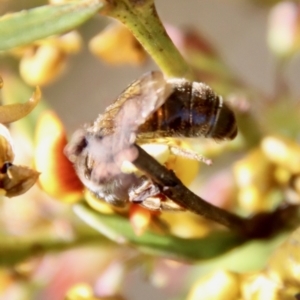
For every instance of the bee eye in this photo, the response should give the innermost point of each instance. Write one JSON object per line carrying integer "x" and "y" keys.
{"x": 5, "y": 167}
{"x": 81, "y": 145}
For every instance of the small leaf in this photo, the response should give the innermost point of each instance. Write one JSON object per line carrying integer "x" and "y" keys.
{"x": 119, "y": 229}
{"x": 24, "y": 27}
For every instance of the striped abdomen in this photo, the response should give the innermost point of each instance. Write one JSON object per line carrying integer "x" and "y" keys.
{"x": 192, "y": 110}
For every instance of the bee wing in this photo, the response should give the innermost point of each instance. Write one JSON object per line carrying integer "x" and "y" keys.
{"x": 135, "y": 104}
{"x": 111, "y": 138}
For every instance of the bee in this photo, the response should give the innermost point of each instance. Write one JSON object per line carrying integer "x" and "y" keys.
{"x": 151, "y": 108}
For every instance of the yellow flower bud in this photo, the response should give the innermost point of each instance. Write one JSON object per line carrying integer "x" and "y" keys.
{"x": 254, "y": 179}
{"x": 259, "y": 287}
{"x": 98, "y": 204}
{"x": 140, "y": 218}
{"x": 284, "y": 264}
{"x": 81, "y": 291}
{"x": 69, "y": 43}
{"x": 58, "y": 177}
{"x": 217, "y": 286}
{"x": 41, "y": 65}
{"x": 106, "y": 45}
{"x": 283, "y": 152}
{"x": 284, "y": 28}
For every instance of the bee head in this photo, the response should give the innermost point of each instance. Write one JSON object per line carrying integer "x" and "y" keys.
{"x": 77, "y": 144}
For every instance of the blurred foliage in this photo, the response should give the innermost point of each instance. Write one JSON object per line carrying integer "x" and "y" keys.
{"x": 256, "y": 173}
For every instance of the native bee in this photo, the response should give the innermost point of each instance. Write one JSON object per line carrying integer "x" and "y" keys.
{"x": 151, "y": 107}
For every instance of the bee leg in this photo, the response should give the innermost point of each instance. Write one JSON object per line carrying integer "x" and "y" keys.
{"x": 149, "y": 195}
{"x": 162, "y": 203}
{"x": 190, "y": 154}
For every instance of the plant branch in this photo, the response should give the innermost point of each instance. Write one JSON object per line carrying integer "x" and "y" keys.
{"x": 259, "y": 225}
{"x": 142, "y": 20}
{"x": 175, "y": 190}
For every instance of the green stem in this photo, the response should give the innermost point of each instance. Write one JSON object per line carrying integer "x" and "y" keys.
{"x": 14, "y": 250}
{"x": 142, "y": 20}
{"x": 119, "y": 229}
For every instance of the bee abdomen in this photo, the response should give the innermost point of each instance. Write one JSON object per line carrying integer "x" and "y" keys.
{"x": 192, "y": 110}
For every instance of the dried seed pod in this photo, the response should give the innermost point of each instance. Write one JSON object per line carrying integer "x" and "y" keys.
{"x": 17, "y": 179}
{"x": 14, "y": 180}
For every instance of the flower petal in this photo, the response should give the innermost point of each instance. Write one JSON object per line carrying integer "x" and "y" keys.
{"x": 58, "y": 177}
